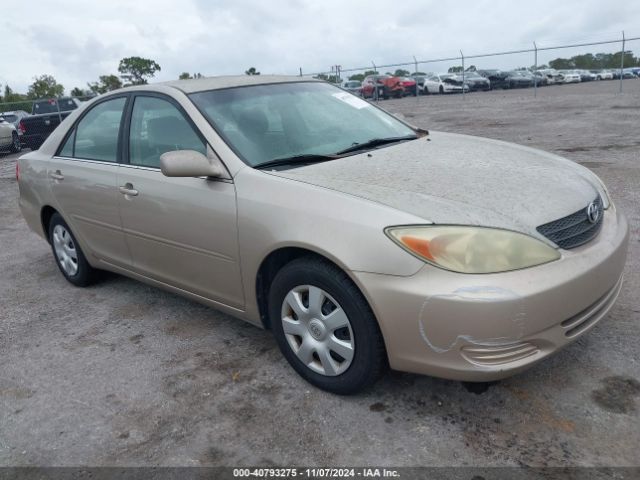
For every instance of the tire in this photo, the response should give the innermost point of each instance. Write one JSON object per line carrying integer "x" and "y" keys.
{"x": 64, "y": 247}
{"x": 16, "y": 146}
{"x": 310, "y": 338}
{"x": 441, "y": 89}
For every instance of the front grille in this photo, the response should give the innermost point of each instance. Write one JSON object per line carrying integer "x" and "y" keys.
{"x": 573, "y": 230}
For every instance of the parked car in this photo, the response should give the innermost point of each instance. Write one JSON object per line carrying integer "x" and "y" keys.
{"x": 542, "y": 80}
{"x": 14, "y": 118}
{"x": 476, "y": 82}
{"x": 569, "y": 76}
{"x": 553, "y": 76}
{"x": 9, "y": 139}
{"x": 386, "y": 86}
{"x": 603, "y": 74}
{"x": 419, "y": 81}
{"x": 585, "y": 75}
{"x": 518, "y": 79}
{"x": 496, "y": 78}
{"x": 444, "y": 83}
{"x": 45, "y": 116}
{"x": 409, "y": 85}
{"x": 353, "y": 86}
{"x": 339, "y": 248}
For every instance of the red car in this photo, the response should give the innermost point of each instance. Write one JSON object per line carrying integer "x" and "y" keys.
{"x": 409, "y": 85}
{"x": 386, "y": 85}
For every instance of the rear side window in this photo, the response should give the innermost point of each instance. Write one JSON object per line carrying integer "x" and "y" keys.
{"x": 157, "y": 126}
{"x": 96, "y": 136}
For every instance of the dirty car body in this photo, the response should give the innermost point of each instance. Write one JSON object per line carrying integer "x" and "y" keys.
{"x": 358, "y": 239}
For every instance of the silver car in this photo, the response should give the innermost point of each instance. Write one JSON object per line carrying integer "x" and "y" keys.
{"x": 359, "y": 240}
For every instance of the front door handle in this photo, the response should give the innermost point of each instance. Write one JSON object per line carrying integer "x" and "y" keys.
{"x": 127, "y": 189}
{"x": 57, "y": 175}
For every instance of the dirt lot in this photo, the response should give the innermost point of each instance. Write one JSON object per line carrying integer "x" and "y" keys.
{"x": 125, "y": 374}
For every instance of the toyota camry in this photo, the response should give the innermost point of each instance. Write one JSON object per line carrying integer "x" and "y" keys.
{"x": 360, "y": 241}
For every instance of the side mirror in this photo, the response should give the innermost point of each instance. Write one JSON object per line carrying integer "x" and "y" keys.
{"x": 189, "y": 163}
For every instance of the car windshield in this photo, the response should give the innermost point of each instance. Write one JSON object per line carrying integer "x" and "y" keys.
{"x": 263, "y": 123}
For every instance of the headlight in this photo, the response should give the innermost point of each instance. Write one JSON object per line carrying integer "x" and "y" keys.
{"x": 472, "y": 249}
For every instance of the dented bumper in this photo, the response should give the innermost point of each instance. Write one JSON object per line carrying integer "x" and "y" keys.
{"x": 487, "y": 327}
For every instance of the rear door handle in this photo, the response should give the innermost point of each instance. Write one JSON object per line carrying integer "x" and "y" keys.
{"x": 127, "y": 189}
{"x": 57, "y": 175}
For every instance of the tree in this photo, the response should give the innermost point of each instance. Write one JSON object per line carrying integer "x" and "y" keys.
{"x": 360, "y": 76}
{"x": 137, "y": 70}
{"x": 188, "y": 76}
{"x": 252, "y": 71}
{"x": 472, "y": 68}
{"x": 45, "y": 86}
{"x": 401, "y": 73}
{"x": 78, "y": 92}
{"x": 456, "y": 69}
{"x": 105, "y": 83}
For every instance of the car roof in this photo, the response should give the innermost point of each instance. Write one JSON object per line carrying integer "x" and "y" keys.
{"x": 217, "y": 83}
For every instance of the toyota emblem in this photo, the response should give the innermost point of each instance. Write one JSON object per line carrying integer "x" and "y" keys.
{"x": 593, "y": 212}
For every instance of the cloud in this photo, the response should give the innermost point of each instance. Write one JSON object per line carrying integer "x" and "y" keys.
{"x": 76, "y": 41}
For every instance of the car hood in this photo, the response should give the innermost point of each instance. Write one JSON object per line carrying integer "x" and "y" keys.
{"x": 447, "y": 178}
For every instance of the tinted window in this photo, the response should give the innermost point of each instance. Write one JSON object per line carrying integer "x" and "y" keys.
{"x": 157, "y": 127}
{"x": 97, "y": 133}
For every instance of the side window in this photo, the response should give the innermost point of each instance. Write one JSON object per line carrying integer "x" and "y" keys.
{"x": 96, "y": 136}
{"x": 158, "y": 127}
{"x": 67, "y": 150}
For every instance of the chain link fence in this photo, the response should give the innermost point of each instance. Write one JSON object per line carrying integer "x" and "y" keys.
{"x": 34, "y": 120}
{"x": 464, "y": 66}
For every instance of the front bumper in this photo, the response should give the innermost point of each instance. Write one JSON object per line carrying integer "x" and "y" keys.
{"x": 488, "y": 327}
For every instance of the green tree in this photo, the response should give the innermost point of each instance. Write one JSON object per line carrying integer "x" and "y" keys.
{"x": 188, "y": 76}
{"x": 105, "y": 83}
{"x": 401, "y": 73}
{"x": 252, "y": 71}
{"x": 360, "y": 76}
{"x": 137, "y": 70}
{"x": 456, "y": 69}
{"x": 45, "y": 86}
{"x": 78, "y": 92}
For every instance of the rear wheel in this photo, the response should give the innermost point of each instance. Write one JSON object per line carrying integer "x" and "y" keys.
{"x": 324, "y": 326}
{"x": 441, "y": 89}
{"x": 68, "y": 254}
{"x": 15, "y": 143}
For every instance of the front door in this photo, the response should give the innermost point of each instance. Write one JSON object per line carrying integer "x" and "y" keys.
{"x": 180, "y": 231}
{"x": 83, "y": 181}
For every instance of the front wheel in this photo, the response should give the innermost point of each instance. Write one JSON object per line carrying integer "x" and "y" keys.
{"x": 324, "y": 326}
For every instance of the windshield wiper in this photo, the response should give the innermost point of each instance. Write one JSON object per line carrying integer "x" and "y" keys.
{"x": 375, "y": 142}
{"x": 307, "y": 158}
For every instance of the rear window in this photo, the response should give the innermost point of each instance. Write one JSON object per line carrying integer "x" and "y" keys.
{"x": 54, "y": 105}
{"x": 9, "y": 118}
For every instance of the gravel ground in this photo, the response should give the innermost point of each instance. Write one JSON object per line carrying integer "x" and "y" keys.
{"x": 125, "y": 374}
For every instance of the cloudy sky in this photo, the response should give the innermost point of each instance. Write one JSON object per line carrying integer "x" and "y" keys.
{"x": 78, "y": 40}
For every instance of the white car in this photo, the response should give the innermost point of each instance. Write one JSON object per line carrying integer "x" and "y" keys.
{"x": 444, "y": 83}
{"x": 571, "y": 77}
{"x": 603, "y": 74}
{"x": 9, "y": 139}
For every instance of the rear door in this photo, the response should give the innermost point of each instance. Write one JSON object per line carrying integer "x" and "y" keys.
{"x": 83, "y": 181}
{"x": 180, "y": 231}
